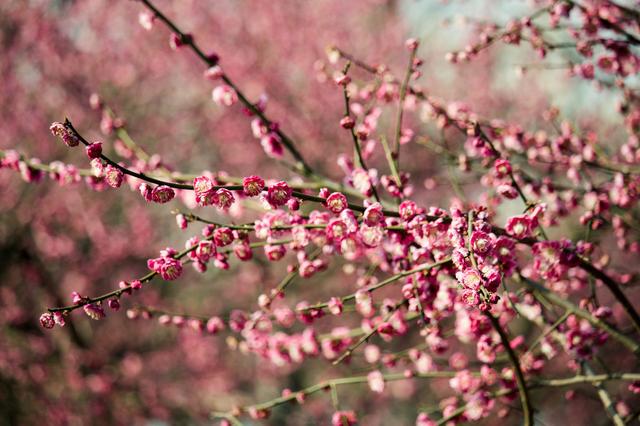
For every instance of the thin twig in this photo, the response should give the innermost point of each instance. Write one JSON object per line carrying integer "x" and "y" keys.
{"x": 527, "y": 410}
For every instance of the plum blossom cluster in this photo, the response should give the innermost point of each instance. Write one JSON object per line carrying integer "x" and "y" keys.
{"x": 33, "y": 170}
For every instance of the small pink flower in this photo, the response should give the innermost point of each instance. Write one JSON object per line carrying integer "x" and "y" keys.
{"x": 470, "y": 297}
{"x": 10, "y": 159}
{"x": 603, "y": 312}
{"x": 274, "y": 252}
{"x": 502, "y": 168}
{"x": 113, "y": 176}
{"x": 481, "y": 242}
{"x": 423, "y": 419}
{"x": 372, "y": 353}
{"x": 176, "y": 41}
{"x": 258, "y": 414}
{"x": 307, "y": 269}
{"x": 146, "y": 191}
{"x": 504, "y": 248}
{"x": 351, "y": 248}
{"x": 196, "y": 324}
{"x": 170, "y": 269}
{"x": 213, "y": 73}
{"x": 94, "y": 150}
{"x": 181, "y": 221}
{"x": 492, "y": 276}
{"x": 507, "y": 191}
{"x": 205, "y": 250}
{"x": 272, "y": 146}
{"x": 470, "y": 279}
{"x": 224, "y": 95}
{"x": 204, "y": 190}
{"x": 162, "y": 194}
{"x": 76, "y": 298}
{"x": 214, "y": 325}
{"x": 145, "y": 19}
{"x": 94, "y": 311}
{"x": 464, "y": 382}
{"x": 220, "y": 261}
{"x": 47, "y": 321}
{"x": 336, "y": 202}
{"x": 57, "y": 129}
{"x": 335, "y": 305}
{"x": 223, "y": 198}
{"x": 253, "y": 185}
{"x": 323, "y": 192}
{"x": 28, "y": 173}
{"x": 458, "y": 361}
{"x": 223, "y": 236}
{"x": 373, "y": 214}
{"x": 364, "y": 303}
{"x": 124, "y": 286}
{"x": 264, "y": 302}
{"x": 341, "y": 79}
{"x": 58, "y": 317}
{"x": 114, "y": 304}
{"x": 336, "y": 230}
{"x": 585, "y": 70}
{"x": 293, "y": 204}
{"x": 243, "y": 251}
{"x": 405, "y": 136}
{"x": 278, "y": 194}
{"x": 68, "y": 137}
{"x": 190, "y": 244}
{"x": 408, "y": 209}
{"x": 106, "y": 124}
{"x": 285, "y": 317}
{"x": 411, "y": 44}
{"x": 344, "y": 418}
{"x": 164, "y": 319}
{"x": 363, "y": 180}
{"x": 549, "y": 261}
{"x": 371, "y": 236}
{"x": 237, "y": 320}
{"x": 376, "y": 381}
{"x": 519, "y": 226}
{"x": 258, "y": 128}
{"x": 199, "y": 266}
{"x": 347, "y": 123}
{"x": 207, "y": 231}
{"x": 95, "y": 102}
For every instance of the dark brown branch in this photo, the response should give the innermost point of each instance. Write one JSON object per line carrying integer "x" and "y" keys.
{"x": 527, "y": 410}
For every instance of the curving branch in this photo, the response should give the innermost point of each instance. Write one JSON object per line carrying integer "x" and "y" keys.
{"x": 525, "y": 401}
{"x": 189, "y": 187}
{"x": 148, "y": 277}
{"x": 126, "y": 171}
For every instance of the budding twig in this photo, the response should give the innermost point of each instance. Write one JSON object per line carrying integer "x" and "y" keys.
{"x": 189, "y": 41}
